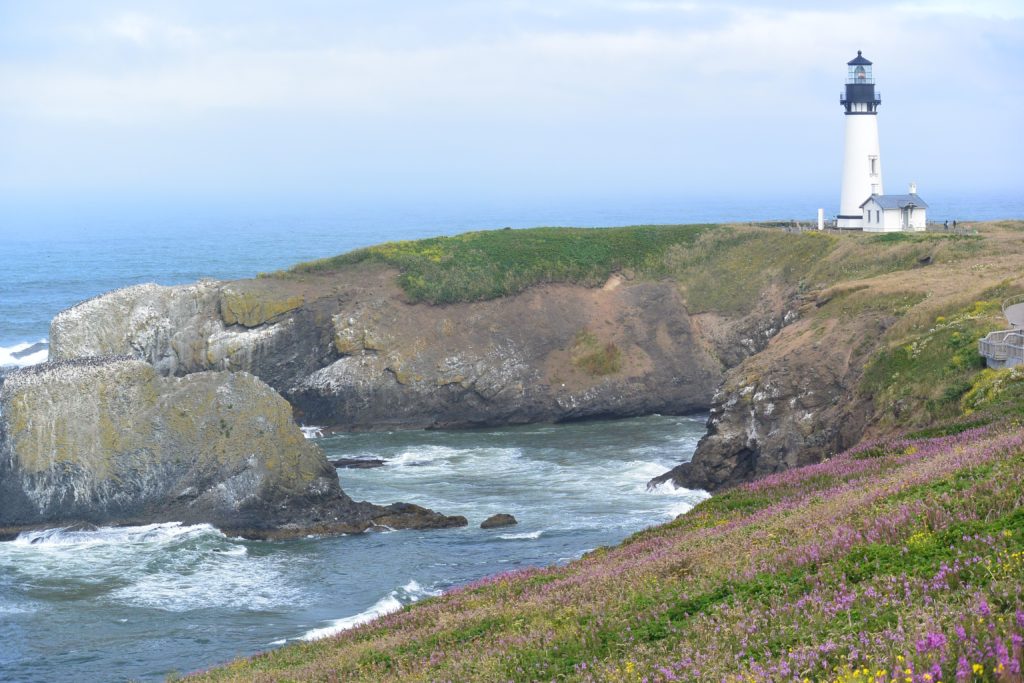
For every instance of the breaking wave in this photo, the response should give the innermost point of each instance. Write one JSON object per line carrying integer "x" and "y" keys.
{"x": 392, "y": 602}
{"x": 24, "y": 354}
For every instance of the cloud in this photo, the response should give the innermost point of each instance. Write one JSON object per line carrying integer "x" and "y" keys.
{"x": 580, "y": 86}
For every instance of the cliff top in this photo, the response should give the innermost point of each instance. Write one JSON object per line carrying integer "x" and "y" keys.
{"x": 720, "y": 267}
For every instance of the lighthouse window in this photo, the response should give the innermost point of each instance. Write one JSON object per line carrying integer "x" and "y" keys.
{"x": 874, "y": 165}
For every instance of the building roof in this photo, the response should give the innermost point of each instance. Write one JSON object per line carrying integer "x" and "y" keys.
{"x": 858, "y": 60}
{"x": 896, "y": 201}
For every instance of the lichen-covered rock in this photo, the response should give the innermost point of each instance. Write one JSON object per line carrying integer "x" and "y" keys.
{"x": 242, "y": 306}
{"x": 109, "y": 440}
{"x": 164, "y": 326}
{"x": 348, "y": 352}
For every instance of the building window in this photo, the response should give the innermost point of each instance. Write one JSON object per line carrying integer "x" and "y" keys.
{"x": 878, "y": 218}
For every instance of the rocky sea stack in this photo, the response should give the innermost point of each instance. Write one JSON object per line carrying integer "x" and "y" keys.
{"x": 110, "y": 441}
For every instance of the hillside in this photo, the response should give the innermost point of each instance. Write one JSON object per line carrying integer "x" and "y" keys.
{"x": 899, "y": 559}
{"x": 902, "y": 559}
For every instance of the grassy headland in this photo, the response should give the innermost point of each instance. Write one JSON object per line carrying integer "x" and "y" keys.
{"x": 721, "y": 267}
{"x": 901, "y": 559}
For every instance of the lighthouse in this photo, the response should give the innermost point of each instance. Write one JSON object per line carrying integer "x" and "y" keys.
{"x": 862, "y": 166}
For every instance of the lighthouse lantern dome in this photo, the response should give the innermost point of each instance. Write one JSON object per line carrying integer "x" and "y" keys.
{"x": 860, "y": 71}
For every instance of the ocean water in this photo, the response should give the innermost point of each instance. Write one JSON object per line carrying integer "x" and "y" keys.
{"x": 140, "y": 602}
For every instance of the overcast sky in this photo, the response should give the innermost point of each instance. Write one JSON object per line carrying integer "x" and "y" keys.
{"x": 334, "y": 101}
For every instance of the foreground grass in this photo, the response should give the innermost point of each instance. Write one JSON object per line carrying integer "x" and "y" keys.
{"x": 899, "y": 560}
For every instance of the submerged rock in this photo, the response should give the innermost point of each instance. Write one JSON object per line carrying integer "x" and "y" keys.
{"x": 110, "y": 441}
{"x": 357, "y": 463}
{"x": 409, "y": 516}
{"x": 499, "y": 520}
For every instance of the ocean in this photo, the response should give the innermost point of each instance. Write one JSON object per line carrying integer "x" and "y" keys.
{"x": 138, "y": 603}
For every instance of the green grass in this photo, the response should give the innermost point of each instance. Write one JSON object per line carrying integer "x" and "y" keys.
{"x": 594, "y": 358}
{"x": 719, "y": 268}
{"x": 485, "y": 265}
{"x": 855, "y": 302}
{"x": 921, "y": 380}
{"x": 726, "y": 270}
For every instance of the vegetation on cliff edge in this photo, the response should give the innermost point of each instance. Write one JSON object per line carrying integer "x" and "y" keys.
{"x": 935, "y": 376}
{"x": 720, "y": 268}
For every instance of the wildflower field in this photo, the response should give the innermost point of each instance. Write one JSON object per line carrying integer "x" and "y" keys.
{"x": 900, "y": 560}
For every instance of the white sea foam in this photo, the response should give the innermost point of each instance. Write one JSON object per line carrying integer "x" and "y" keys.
{"x": 7, "y": 608}
{"x": 312, "y": 431}
{"x": 668, "y": 488}
{"x": 202, "y": 578}
{"x": 680, "y": 509}
{"x": 447, "y": 455}
{"x": 392, "y": 602}
{"x": 525, "y": 536}
{"x": 425, "y": 455}
{"x": 7, "y": 358}
{"x": 111, "y": 536}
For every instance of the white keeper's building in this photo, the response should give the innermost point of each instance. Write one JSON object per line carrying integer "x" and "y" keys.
{"x": 894, "y": 212}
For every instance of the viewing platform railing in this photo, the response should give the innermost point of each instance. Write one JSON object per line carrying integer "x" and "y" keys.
{"x": 1003, "y": 349}
{"x": 1012, "y": 301}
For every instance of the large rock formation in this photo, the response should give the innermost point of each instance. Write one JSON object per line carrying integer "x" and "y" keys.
{"x": 109, "y": 440}
{"x": 795, "y": 402}
{"x": 348, "y": 352}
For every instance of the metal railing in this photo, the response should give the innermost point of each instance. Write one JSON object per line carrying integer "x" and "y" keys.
{"x": 1012, "y": 301}
{"x": 1006, "y": 347}
{"x": 878, "y": 98}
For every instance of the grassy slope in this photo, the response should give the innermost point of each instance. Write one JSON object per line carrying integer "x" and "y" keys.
{"x": 900, "y": 559}
{"x": 721, "y": 268}
{"x": 890, "y": 561}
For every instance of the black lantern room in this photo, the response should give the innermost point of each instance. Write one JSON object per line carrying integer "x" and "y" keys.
{"x": 860, "y": 96}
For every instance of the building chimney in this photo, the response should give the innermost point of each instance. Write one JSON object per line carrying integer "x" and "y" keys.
{"x": 913, "y": 188}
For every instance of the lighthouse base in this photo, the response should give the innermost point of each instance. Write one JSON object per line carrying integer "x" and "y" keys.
{"x": 850, "y": 222}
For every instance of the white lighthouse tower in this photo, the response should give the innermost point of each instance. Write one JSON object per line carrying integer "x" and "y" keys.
{"x": 862, "y": 166}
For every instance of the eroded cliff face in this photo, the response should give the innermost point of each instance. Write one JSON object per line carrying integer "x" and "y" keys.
{"x": 792, "y": 404}
{"x": 348, "y": 352}
{"x": 109, "y": 440}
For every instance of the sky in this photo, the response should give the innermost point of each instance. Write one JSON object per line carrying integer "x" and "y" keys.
{"x": 307, "y": 101}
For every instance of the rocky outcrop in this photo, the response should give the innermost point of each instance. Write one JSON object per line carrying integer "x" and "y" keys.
{"x": 111, "y": 441}
{"x": 792, "y": 404}
{"x": 502, "y": 519}
{"x": 348, "y": 352}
